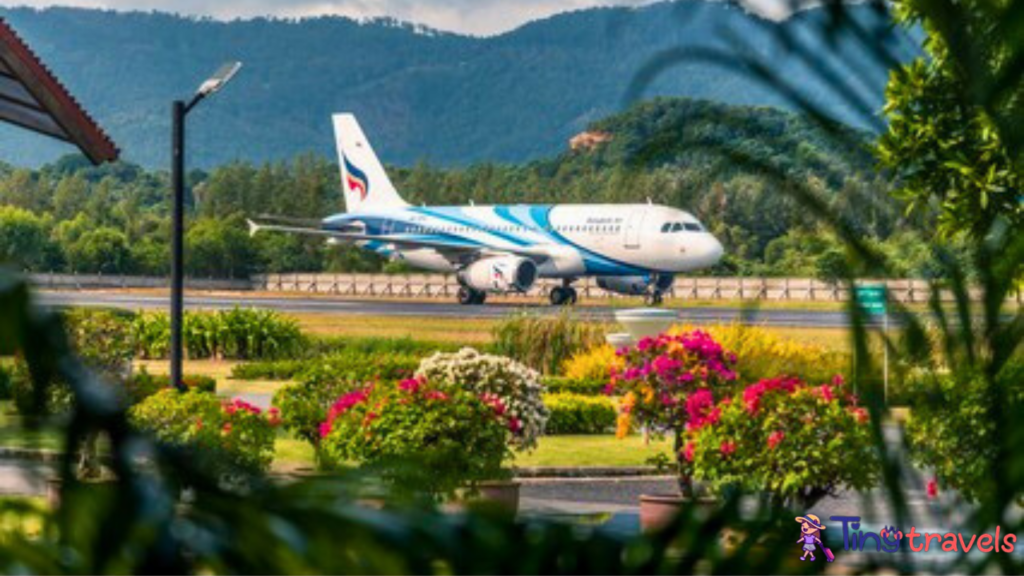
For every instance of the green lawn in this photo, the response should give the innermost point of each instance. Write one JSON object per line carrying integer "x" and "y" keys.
{"x": 559, "y": 451}
{"x": 14, "y": 432}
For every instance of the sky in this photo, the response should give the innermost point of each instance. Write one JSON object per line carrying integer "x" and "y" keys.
{"x": 478, "y": 17}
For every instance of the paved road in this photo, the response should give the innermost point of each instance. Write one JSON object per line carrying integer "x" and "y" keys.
{"x": 803, "y": 318}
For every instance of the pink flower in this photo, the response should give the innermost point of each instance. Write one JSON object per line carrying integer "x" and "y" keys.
{"x": 325, "y": 429}
{"x": 826, "y": 393}
{"x": 411, "y": 385}
{"x": 727, "y": 447}
{"x": 775, "y": 438}
{"x": 688, "y": 451}
{"x": 226, "y": 429}
{"x": 837, "y": 380}
{"x": 932, "y": 489}
{"x": 515, "y": 425}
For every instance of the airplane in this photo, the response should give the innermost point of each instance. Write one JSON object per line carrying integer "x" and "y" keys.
{"x": 631, "y": 249}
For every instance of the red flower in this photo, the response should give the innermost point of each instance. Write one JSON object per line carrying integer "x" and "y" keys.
{"x": 837, "y": 380}
{"x": 861, "y": 415}
{"x": 411, "y": 385}
{"x": 226, "y": 429}
{"x": 688, "y": 451}
{"x": 515, "y": 425}
{"x": 727, "y": 447}
{"x": 775, "y": 438}
{"x": 199, "y": 423}
{"x": 826, "y": 393}
{"x": 932, "y": 488}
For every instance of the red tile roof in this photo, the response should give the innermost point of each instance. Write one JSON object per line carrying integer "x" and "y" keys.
{"x": 33, "y": 98}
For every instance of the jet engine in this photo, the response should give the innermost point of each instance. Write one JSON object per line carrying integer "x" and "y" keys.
{"x": 500, "y": 274}
{"x": 635, "y": 285}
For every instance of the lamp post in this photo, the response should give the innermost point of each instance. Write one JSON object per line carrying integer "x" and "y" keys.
{"x": 179, "y": 110}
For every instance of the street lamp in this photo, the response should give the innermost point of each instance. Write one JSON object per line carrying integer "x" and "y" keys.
{"x": 180, "y": 109}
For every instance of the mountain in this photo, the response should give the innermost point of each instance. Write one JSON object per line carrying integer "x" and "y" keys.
{"x": 423, "y": 94}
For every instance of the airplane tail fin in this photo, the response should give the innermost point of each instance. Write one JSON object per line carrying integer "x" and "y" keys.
{"x": 363, "y": 179}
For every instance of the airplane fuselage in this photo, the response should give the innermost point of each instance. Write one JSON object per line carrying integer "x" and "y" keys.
{"x": 570, "y": 240}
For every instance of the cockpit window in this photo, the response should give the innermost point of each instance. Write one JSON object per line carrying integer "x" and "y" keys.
{"x": 693, "y": 227}
{"x": 666, "y": 228}
{"x": 677, "y": 227}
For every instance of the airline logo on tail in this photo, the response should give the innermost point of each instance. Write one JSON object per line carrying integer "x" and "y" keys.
{"x": 356, "y": 179}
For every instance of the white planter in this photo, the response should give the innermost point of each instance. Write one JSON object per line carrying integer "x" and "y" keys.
{"x": 620, "y": 340}
{"x": 645, "y": 322}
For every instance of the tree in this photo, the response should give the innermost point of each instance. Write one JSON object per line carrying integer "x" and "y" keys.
{"x": 25, "y": 239}
{"x": 944, "y": 144}
{"x": 102, "y": 250}
{"x": 219, "y": 248}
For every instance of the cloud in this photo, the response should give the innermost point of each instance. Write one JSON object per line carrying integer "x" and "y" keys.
{"x": 480, "y": 17}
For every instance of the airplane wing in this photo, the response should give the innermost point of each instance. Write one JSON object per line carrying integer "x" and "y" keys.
{"x": 454, "y": 250}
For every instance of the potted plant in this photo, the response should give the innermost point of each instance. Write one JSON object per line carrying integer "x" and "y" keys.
{"x": 661, "y": 383}
{"x": 419, "y": 437}
{"x": 791, "y": 441}
{"x": 509, "y": 385}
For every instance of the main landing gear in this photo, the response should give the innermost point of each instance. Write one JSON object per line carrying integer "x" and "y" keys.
{"x": 468, "y": 296}
{"x": 654, "y": 298}
{"x": 564, "y": 295}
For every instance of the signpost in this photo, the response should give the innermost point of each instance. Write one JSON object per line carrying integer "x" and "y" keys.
{"x": 873, "y": 299}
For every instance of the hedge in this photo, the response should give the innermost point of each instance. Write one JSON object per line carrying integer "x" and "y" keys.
{"x": 561, "y": 384}
{"x": 579, "y": 414}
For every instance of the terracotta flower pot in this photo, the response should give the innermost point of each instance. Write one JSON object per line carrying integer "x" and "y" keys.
{"x": 658, "y": 510}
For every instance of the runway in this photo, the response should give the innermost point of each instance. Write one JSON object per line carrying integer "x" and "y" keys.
{"x": 409, "y": 308}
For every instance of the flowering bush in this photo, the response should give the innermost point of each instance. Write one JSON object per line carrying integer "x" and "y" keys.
{"x": 781, "y": 436}
{"x": 516, "y": 386}
{"x": 659, "y": 374}
{"x": 951, "y": 427}
{"x": 419, "y": 435}
{"x": 593, "y": 364}
{"x": 303, "y": 406}
{"x": 236, "y": 435}
{"x": 766, "y": 354}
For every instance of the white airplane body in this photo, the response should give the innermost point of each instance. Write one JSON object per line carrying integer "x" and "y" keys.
{"x": 631, "y": 248}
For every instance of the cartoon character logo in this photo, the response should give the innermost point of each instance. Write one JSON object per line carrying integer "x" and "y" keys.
{"x": 810, "y": 537}
{"x": 356, "y": 179}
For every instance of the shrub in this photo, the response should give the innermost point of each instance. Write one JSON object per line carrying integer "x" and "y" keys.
{"x": 560, "y": 384}
{"x": 578, "y": 414}
{"x": 304, "y": 407}
{"x": 594, "y": 364}
{"x": 5, "y": 383}
{"x": 348, "y": 365}
{"x": 951, "y": 429}
{"x": 796, "y": 442}
{"x": 234, "y": 436}
{"x": 142, "y": 384}
{"x": 239, "y": 334}
{"x": 765, "y": 354}
{"x": 321, "y": 346}
{"x": 517, "y": 386}
{"x": 418, "y": 436}
{"x": 544, "y": 343}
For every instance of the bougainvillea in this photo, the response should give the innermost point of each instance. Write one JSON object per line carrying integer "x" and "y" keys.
{"x": 235, "y": 434}
{"x": 421, "y": 437}
{"x": 517, "y": 386}
{"x": 664, "y": 382}
{"x": 782, "y": 436}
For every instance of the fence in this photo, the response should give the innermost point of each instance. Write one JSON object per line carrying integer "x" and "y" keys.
{"x": 101, "y": 282}
{"x": 692, "y": 288}
{"x": 446, "y": 286}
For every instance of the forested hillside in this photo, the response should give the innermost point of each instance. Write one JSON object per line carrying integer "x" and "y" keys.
{"x": 422, "y": 95}
{"x": 71, "y": 216}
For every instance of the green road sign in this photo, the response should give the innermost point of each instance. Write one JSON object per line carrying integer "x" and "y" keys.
{"x": 872, "y": 298}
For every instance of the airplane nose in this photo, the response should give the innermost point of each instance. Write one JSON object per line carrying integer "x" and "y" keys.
{"x": 715, "y": 250}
